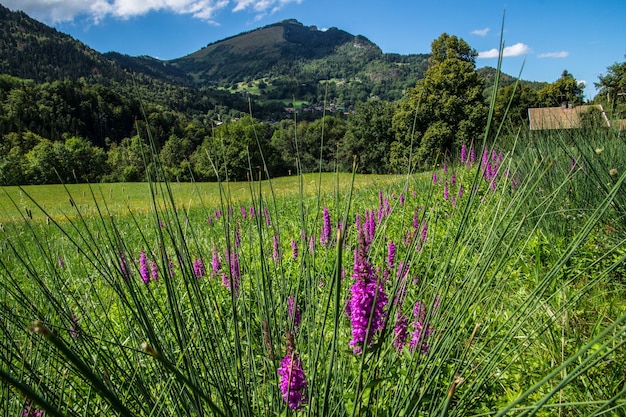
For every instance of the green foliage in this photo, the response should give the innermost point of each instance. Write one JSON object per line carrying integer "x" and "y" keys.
{"x": 451, "y": 47}
{"x": 564, "y": 90}
{"x": 369, "y": 134}
{"x": 444, "y": 109}
{"x": 612, "y": 87}
{"x": 512, "y": 104}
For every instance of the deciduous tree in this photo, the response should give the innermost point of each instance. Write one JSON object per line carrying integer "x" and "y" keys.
{"x": 445, "y": 109}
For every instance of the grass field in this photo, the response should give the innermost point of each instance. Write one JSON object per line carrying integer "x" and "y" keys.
{"x": 119, "y": 198}
{"x": 493, "y": 286}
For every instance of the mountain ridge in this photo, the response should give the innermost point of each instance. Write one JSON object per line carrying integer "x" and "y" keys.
{"x": 272, "y": 65}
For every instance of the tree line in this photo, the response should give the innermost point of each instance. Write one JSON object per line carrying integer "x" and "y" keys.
{"x": 70, "y": 131}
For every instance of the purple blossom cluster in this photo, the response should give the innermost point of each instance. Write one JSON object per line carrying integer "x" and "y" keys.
{"x": 294, "y": 249}
{"x": 293, "y": 312}
{"x": 367, "y": 298}
{"x": 276, "y": 246}
{"x": 232, "y": 280}
{"x": 147, "y": 270}
{"x": 31, "y": 411}
{"x": 292, "y": 379}
{"x": 325, "y": 236}
{"x": 198, "y": 268}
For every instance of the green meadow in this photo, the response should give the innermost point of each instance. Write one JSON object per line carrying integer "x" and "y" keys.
{"x": 491, "y": 285}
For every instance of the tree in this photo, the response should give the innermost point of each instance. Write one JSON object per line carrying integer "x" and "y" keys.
{"x": 443, "y": 110}
{"x": 128, "y": 160}
{"x": 564, "y": 90}
{"x": 448, "y": 47}
{"x": 369, "y": 133}
{"x": 174, "y": 158}
{"x": 513, "y": 101}
{"x": 613, "y": 86}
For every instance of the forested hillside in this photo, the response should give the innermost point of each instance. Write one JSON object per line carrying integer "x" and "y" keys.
{"x": 69, "y": 113}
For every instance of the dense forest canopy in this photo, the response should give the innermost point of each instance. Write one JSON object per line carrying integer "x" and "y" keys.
{"x": 72, "y": 114}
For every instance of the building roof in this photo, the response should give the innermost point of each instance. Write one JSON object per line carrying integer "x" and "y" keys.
{"x": 564, "y": 117}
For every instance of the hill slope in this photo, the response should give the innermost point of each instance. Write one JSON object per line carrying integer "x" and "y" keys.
{"x": 289, "y": 54}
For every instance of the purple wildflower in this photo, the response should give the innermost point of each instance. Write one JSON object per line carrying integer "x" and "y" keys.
{"x": 424, "y": 231}
{"x": 171, "y": 267}
{"x": 61, "y": 263}
{"x": 293, "y": 312}
{"x": 463, "y": 153}
{"x": 401, "y": 199}
{"x": 292, "y": 381}
{"x": 144, "y": 269}
{"x": 215, "y": 262}
{"x": 367, "y": 299}
{"x": 74, "y": 327}
{"x": 237, "y": 237}
{"x": 294, "y": 249}
{"x": 472, "y": 157}
{"x": 232, "y": 281}
{"x": 445, "y": 168}
{"x": 31, "y": 411}
{"x": 446, "y": 193}
{"x": 400, "y": 332}
{"x": 421, "y": 330}
{"x": 460, "y": 191}
{"x": 243, "y": 211}
{"x": 435, "y": 179}
{"x": 154, "y": 271}
{"x": 326, "y": 232}
{"x": 391, "y": 254}
{"x": 198, "y": 268}
{"x": 123, "y": 266}
{"x": 266, "y": 213}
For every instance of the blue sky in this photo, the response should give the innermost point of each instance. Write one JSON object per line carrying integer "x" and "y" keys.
{"x": 550, "y": 36}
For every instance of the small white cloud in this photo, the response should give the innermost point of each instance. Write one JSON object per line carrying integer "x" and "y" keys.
{"x": 562, "y": 54}
{"x": 480, "y": 32}
{"x": 513, "y": 50}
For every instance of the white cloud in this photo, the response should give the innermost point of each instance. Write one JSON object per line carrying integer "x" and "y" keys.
{"x": 562, "y": 54}
{"x": 53, "y": 11}
{"x": 480, "y": 32}
{"x": 513, "y": 50}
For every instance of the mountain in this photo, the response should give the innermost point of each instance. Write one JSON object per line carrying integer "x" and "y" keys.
{"x": 272, "y": 65}
{"x": 32, "y": 50}
{"x": 289, "y": 54}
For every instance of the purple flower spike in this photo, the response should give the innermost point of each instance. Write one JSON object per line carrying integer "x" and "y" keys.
{"x": 293, "y": 312}
{"x": 292, "y": 380}
{"x": 154, "y": 271}
{"x": 391, "y": 254}
{"x": 144, "y": 269}
{"x": 367, "y": 299}
{"x": 198, "y": 268}
{"x": 215, "y": 262}
{"x": 400, "y": 332}
{"x": 294, "y": 249}
{"x": 326, "y": 232}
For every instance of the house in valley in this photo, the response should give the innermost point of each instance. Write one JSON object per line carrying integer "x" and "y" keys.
{"x": 567, "y": 117}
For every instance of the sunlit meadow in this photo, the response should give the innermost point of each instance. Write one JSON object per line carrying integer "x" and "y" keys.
{"x": 493, "y": 285}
